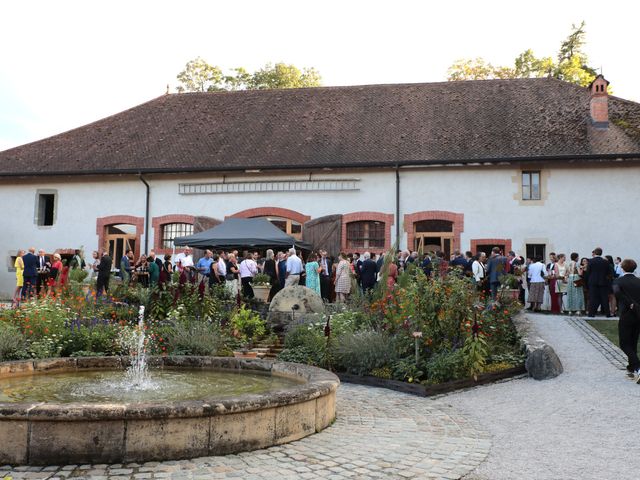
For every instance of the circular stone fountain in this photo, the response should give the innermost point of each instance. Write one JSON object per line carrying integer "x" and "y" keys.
{"x": 50, "y": 429}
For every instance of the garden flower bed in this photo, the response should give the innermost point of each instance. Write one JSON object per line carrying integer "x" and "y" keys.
{"x": 423, "y": 332}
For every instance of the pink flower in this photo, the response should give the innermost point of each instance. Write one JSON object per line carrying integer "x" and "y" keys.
{"x": 417, "y": 334}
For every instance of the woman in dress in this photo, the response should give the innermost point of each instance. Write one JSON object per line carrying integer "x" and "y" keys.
{"x": 312, "y": 270}
{"x": 271, "y": 268}
{"x": 479, "y": 271}
{"x": 167, "y": 270}
{"x": 56, "y": 270}
{"x": 536, "y": 272}
{"x": 19, "y": 266}
{"x": 343, "y": 279}
{"x": 575, "y": 295}
{"x": 561, "y": 273}
{"x": 584, "y": 274}
{"x": 282, "y": 268}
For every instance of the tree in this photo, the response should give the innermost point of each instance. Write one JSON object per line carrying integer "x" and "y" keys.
{"x": 199, "y": 76}
{"x": 571, "y": 64}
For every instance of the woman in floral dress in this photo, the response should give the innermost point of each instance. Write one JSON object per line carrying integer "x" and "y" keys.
{"x": 575, "y": 295}
{"x": 312, "y": 270}
{"x": 343, "y": 279}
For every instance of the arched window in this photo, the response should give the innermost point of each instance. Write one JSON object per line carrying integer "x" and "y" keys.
{"x": 168, "y": 227}
{"x": 173, "y": 230}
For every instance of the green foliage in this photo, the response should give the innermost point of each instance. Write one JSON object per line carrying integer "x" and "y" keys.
{"x": 261, "y": 279}
{"x": 200, "y": 76}
{"x": 571, "y": 64}
{"x": 13, "y": 344}
{"x": 305, "y": 344}
{"x": 78, "y": 275}
{"x": 361, "y": 352}
{"x": 475, "y": 354}
{"x": 446, "y": 365}
{"x": 195, "y": 338}
{"x": 248, "y": 324}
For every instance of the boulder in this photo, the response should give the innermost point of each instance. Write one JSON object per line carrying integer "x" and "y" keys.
{"x": 294, "y": 305}
{"x": 543, "y": 363}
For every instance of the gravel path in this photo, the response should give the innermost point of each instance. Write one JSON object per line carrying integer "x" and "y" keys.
{"x": 582, "y": 425}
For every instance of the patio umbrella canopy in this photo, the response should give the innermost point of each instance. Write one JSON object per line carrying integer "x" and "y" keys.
{"x": 241, "y": 232}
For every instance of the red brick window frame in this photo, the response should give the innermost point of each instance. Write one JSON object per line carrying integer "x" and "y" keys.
{"x": 272, "y": 212}
{"x": 457, "y": 219}
{"x": 385, "y": 218}
{"x": 494, "y": 242}
{"x": 158, "y": 224}
{"x": 103, "y": 222}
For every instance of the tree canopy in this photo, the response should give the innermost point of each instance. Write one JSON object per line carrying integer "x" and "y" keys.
{"x": 571, "y": 64}
{"x": 200, "y": 76}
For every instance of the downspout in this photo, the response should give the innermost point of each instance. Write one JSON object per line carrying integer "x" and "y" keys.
{"x": 398, "y": 205}
{"x": 146, "y": 214}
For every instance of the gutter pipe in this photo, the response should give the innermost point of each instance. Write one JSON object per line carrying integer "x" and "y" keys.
{"x": 146, "y": 214}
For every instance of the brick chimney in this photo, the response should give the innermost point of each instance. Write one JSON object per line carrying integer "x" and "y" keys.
{"x": 599, "y": 103}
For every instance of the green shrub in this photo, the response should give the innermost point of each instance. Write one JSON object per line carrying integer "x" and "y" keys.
{"x": 305, "y": 344}
{"x": 78, "y": 275}
{"x": 446, "y": 366}
{"x": 361, "y": 352}
{"x": 12, "y": 343}
{"x": 248, "y": 324}
{"x": 195, "y": 338}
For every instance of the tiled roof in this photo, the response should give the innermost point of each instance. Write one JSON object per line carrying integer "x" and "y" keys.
{"x": 338, "y": 126}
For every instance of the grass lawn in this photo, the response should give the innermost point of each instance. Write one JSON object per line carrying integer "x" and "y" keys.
{"x": 609, "y": 328}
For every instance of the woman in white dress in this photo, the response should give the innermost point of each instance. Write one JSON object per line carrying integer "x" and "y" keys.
{"x": 562, "y": 276}
{"x": 536, "y": 273}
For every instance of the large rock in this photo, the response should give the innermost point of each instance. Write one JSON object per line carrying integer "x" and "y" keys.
{"x": 543, "y": 362}
{"x": 294, "y": 305}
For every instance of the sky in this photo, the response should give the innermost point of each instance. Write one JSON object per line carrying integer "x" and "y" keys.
{"x": 64, "y": 64}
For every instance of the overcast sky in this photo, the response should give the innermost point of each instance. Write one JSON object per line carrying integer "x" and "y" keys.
{"x": 67, "y": 63}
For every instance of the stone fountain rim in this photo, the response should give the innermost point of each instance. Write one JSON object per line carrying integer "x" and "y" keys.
{"x": 318, "y": 383}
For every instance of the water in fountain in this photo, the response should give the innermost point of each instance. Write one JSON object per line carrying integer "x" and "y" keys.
{"x": 137, "y": 375}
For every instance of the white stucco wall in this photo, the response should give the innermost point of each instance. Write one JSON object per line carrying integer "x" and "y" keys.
{"x": 584, "y": 207}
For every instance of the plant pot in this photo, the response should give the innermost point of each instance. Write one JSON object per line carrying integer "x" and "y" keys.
{"x": 512, "y": 293}
{"x": 261, "y": 292}
{"x": 245, "y": 354}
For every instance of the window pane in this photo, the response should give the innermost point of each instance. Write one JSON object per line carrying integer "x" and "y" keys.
{"x": 365, "y": 234}
{"x": 526, "y": 192}
{"x": 296, "y": 227}
{"x": 173, "y": 230}
{"x": 526, "y": 179}
{"x": 535, "y": 186}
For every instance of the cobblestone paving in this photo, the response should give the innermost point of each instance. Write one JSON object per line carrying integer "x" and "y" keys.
{"x": 610, "y": 351}
{"x": 378, "y": 434}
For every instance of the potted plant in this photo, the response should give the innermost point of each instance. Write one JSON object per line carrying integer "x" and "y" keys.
{"x": 261, "y": 286}
{"x": 510, "y": 285}
{"x": 247, "y": 326}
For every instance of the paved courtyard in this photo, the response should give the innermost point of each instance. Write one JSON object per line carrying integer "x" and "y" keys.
{"x": 580, "y": 425}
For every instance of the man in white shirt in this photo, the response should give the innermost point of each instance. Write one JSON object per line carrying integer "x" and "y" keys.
{"x": 184, "y": 263}
{"x": 222, "y": 266}
{"x": 248, "y": 268}
{"x": 294, "y": 269}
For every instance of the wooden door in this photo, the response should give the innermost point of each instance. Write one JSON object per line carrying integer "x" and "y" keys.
{"x": 324, "y": 232}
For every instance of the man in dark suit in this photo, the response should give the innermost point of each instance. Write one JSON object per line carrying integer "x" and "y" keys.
{"x": 368, "y": 272}
{"x": 496, "y": 268}
{"x": 44, "y": 269}
{"x": 104, "y": 273}
{"x": 325, "y": 275}
{"x": 599, "y": 282}
{"x": 30, "y": 274}
{"x": 627, "y": 291}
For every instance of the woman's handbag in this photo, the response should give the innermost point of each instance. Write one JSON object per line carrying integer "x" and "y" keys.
{"x": 578, "y": 283}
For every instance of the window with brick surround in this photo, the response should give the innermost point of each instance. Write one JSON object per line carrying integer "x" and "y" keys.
{"x": 365, "y": 234}
{"x": 173, "y": 230}
{"x": 531, "y": 185}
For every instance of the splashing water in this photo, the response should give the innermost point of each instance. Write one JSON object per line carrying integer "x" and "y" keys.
{"x": 137, "y": 375}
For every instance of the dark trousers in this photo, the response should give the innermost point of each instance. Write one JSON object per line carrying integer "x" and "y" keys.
{"x": 247, "y": 289}
{"x": 213, "y": 280}
{"x": 29, "y": 287}
{"x": 628, "y": 333}
{"x": 494, "y": 289}
{"x": 325, "y": 287}
{"x": 41, "y": 282}
{"x": 102, "y": 282}
{"x": 598, "y": 297}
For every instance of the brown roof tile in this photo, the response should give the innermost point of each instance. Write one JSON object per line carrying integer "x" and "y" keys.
{"x": 337, "y": 126}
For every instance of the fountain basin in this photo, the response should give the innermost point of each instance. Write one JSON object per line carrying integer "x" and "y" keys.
{"x": 49, "y": 433}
